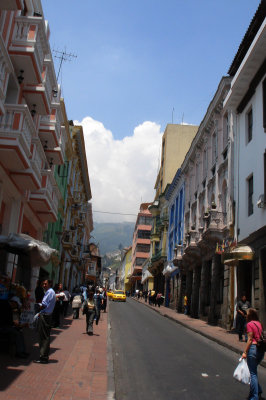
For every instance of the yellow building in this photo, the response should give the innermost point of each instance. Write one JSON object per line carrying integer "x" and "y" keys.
{"x": 176, "y": 142}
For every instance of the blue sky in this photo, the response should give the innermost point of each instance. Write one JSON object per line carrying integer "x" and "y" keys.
{"x": 136, "y": 60}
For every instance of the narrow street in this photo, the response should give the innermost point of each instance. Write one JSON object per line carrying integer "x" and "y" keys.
{"x": 157, "y": 358}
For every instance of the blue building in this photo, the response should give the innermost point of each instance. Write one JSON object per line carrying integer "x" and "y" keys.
{"x": 175, "y": 195}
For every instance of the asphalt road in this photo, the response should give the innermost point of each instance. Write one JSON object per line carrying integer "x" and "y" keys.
{"x": 156, "y": 358}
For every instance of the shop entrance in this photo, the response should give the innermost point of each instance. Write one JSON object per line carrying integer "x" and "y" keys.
{"x": 244, "y": 279}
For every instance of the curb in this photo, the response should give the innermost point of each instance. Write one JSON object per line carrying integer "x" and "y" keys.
{"x": 214, "y": 339}
{"x": 110, "y": 365}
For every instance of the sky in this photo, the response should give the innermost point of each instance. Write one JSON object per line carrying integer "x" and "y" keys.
{"x": 139, "y": 65}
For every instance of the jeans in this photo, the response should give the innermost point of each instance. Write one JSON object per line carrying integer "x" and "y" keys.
{"x": 254, "y": 357}
{"x": 90, "y": 315}
{"x": 44, "y": 330}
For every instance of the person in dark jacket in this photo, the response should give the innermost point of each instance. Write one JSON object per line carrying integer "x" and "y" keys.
{"x": 241, "y": 308}
{"x": 89, "y": 309}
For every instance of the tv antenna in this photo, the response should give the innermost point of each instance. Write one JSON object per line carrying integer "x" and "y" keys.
{"x": 63, "y": 56}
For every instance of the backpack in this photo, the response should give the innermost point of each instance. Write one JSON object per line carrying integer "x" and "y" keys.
{"x": 261, "y": 343}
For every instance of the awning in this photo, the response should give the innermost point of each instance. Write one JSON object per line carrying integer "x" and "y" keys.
{"x": 146, "y": 275}
{"x": 39, "y": 252}
{"x": 169, "y": 269}
{"x": 239, "y": 253}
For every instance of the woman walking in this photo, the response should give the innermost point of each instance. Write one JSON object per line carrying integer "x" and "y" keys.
{"x": 90, "y": 308}
{"x": 253, "y": 353}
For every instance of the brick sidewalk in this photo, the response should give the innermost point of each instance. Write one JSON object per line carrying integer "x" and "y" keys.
{"x": 215, "y": 333}
{"x": 77, "y": 368}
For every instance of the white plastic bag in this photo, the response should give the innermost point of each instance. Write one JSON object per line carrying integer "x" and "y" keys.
{"x": 241, "y": 373}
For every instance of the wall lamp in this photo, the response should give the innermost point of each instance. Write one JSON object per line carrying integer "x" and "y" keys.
{"x": 21, "y": 77}
{"x": 33, "y": 110}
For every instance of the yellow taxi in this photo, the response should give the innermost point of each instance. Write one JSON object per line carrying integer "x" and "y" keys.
{"x": 109, "y": 294}
{"x": 119, "y": 295}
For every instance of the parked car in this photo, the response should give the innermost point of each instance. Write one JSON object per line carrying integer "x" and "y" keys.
{"x": 109, "y": 294}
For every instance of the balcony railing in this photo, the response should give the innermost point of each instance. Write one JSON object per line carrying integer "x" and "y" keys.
{"x": 17, "y": 131}
{"x": 29, "y": 39}
{"x": 5, "y": 69}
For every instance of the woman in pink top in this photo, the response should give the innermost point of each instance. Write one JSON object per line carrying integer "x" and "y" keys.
{"x": 253, "y": 353}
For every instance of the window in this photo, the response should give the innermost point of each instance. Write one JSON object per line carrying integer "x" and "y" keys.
{"x": 205, "y": 163}
{"x": 172, "y": 213}
{"x": 214, "y": 147}
{"x": 225, "y": 130}
{"x": 144, "y": 234}
{"x": 250, "y": 195}
{"x": 249, "y": 126}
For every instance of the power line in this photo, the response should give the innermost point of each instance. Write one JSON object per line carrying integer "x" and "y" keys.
{"x": 109, "y": 212}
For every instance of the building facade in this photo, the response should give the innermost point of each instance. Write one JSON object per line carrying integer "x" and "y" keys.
{"x": 176, "y": 142}
{"x": 31, "y": 138}
{"x": 140, "y": 245}
{"x": 246, "y": 108}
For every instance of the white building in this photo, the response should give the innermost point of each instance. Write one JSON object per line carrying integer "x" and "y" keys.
{"x": 246, "y": 107}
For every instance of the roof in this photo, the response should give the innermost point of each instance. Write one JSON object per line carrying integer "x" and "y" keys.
{"x": 249, "y": 37}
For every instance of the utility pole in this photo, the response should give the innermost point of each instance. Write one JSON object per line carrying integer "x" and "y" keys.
{"x": 63, "y": 56}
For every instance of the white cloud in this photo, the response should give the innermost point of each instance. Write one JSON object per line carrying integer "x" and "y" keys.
{"x": 122, "y": 172}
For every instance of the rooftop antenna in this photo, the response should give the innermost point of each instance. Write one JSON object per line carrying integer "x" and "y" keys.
{"x": 173, "y": 115}
{"x": 62, "y": 56}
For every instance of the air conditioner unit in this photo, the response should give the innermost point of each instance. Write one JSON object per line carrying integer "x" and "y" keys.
{"x": 261, "y": 203}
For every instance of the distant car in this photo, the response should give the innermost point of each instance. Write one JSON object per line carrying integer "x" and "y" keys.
{"x": 119, "y": 295}
{"x": 109, "y": 294}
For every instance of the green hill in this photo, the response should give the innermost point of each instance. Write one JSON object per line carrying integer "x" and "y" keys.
{"x": 113, "y": 236}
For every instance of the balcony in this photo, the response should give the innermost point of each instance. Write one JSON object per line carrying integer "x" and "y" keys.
{"x": 16, "y": 133}
{"x": 49, "y": 131}
{"x": 214, "y": 226}
{"x": 40, "y": 94}
{"x": 67, "y": 239}
{"x": 28, "y": 47}
{"x": 44, "y": 201}
{"x": 159, "y": 256}
{"x": 192, "y": 250}
{"x": 13, "y": 5}
{"x": 31, "y": 178}
{"x": 5, "y": 69}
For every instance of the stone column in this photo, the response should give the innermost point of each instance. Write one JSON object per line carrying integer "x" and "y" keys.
{"x": 189, "y": 282}
{"x": 216, "y": 272}
{"x": 180, "y": 292}
{"x": 203, "y": 288}
{"x": 195, "y": 293}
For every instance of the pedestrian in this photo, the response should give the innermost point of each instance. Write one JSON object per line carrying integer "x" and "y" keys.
{"x": 159, "y": 299}
{"x": 241, "y": 308}
{"x": 98, "y": 302}
{"x": 153, "y": 296}
{"x": 39, "y": 293}
{"x": 146, "y": 296}
{"x": 58, "y": 305}
{"x": 66, "y": 301}
{"x": 185, "y": 305}
{"x": 11, "y": 327}
{"x": 45, "y": 321}
{"x": 89, "y": 309}
{"x": 253, "y": 353}
{"x": 77, "y": 300}
{"x": 104, "y": 302}
{"x": 149, "y": 297}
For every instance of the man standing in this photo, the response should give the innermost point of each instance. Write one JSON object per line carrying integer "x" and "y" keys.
{"x": 45, "y": 321}
{"x": 241, "y": 308}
